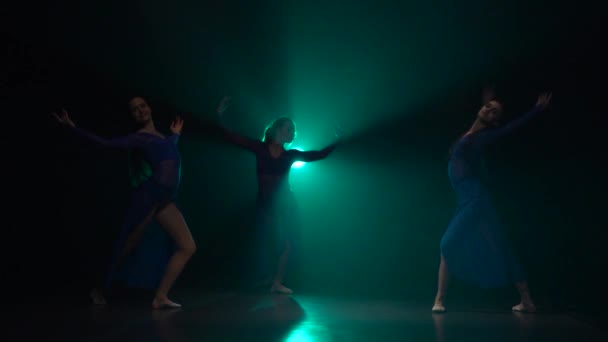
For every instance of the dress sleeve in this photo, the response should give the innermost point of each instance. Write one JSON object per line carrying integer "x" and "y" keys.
{"x": 174, "y": 138}
{"x": 126, "y": 142}
{"x": 310, "y": 156}
{"x": 247, "y": 143}
{"x": 491, "y": 135}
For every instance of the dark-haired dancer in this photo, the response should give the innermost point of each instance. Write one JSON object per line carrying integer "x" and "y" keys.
{"x": 474, "y": 247}
{"x": 276, "y": 206}
{"x": 153, "y": 199}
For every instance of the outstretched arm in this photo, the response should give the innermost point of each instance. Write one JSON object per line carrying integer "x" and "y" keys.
{"x": 492, "y": 135}
{"x": 233, "y": 137}
{"x": 129, "y": 141}
{"x": 126, "y": 142}
{"x": 241, "y": 141}
{"x": 310, "y": 156}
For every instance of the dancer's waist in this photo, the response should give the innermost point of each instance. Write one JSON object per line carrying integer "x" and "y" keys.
{"x": 468, "y": 189}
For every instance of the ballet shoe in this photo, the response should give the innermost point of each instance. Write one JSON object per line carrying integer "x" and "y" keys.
{"x": 521, "y": 307}
{"x": 164, "y": 304}
{"x": 438, "y": 308}
{"x": 279, "y": 288}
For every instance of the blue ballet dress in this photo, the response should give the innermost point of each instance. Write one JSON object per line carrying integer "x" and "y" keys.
{"x": 475, "y": 246}
{"x": 144, "y": 267}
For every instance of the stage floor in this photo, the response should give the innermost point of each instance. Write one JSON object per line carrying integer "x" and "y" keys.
{"x": 261, "y": 317}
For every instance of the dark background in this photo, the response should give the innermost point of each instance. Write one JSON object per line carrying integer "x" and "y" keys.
{"x": 374, "y": 212}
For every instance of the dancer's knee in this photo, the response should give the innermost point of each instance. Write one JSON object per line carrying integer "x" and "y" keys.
{"x": 188, "y": 248}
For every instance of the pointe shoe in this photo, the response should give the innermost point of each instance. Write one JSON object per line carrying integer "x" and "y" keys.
{"x": 521, "y": 307}
{"x": 279, "y": 288}
{"x": 438, "y": 308}
{"x": 164, "y": 304}
{"x": 97, "y": 297}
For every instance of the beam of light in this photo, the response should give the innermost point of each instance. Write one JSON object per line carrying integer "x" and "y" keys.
{"x": 299, "y": 335}
{"x": 298, "y": 164}
{"x": 311, "y": 328}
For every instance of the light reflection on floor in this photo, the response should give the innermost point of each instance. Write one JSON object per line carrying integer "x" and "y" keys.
{"x": 311, "y": 329}
{"x": 330, "y": 319}
{"x": 264, "y": 317}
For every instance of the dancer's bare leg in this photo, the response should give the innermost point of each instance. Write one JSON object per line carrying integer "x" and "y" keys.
{"x": 171, "y": 219}
{"x": 526, "y": 304}
{"x": 442, "y": 286}
{"x": 277, "y": 285}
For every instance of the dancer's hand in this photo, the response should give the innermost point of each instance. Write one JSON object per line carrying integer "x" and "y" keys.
{"x": 177, "y": 124}
{"x": 543, "y": 101}
{"x": 64, "y": 118}
{"x": 224, "y": 104}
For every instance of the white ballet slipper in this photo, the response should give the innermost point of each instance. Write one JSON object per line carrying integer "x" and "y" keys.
{"x": 438, "y": 308}
{"x": 279, "y": 288}
{"x": 521, "y": 307}
{"x": 164, "y": 305}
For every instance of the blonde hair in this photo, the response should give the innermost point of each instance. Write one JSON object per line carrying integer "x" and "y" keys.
{"x": 271, "y": 130}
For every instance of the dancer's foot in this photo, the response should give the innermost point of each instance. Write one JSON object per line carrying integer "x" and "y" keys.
{"x": 97, "y": 297}
{"x": 524, "y": 307}
{"x": 279, "y": 288}
{"x": 164, "y": 303}
{"x": 438, "y": 307}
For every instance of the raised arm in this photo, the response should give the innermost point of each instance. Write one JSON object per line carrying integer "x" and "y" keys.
{"x": 129, "y": 141}
{"x": 176, "y": 129}
{"x": 242, "y": 141}
{"x": 491, "y": 135}
{"x": 125, "y": 142}
{"x": 233, "y": 137}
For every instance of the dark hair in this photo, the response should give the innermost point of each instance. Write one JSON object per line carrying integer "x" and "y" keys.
{"x": 500, "y": 122}
{"x": 132, "y": 124}
{"x": 501, "y": 119}
{"x": 133, "y": 97}
{"x": 271, "y": 129}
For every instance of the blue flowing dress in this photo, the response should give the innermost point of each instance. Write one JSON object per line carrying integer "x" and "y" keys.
{"x": 475, "y": 246}
{"x": 146, "y": 264}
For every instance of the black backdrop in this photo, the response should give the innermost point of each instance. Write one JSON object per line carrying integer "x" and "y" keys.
{"x": 61, "y": 197}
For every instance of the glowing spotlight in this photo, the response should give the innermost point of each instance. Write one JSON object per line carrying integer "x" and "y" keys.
{"x": 297, "y": 164}
{"x": 299, "y": 335}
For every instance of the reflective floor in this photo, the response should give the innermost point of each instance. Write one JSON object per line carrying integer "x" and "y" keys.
{"x": 251, "y": 317}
